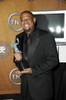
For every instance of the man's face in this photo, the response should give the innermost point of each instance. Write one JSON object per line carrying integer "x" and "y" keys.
{"x": 27, "y": 22}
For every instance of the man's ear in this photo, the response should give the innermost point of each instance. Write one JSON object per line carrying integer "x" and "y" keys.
{"x": 34, "y": 20}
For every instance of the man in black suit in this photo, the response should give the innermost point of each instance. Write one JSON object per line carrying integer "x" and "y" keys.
{"x": 38, "y": 57}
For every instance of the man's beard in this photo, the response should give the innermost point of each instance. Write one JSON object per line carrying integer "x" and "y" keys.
{"x": 28, "y": 30}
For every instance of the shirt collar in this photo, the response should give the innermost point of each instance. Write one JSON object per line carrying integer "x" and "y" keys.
{"x": 32, "y": 34}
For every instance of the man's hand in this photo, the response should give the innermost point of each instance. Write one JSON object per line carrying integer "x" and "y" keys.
{"x": 25, "y": 71}
{"x": 18, "y": 55}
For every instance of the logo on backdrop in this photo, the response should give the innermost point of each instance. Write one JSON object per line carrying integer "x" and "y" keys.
{"x": 4, "y": 49}
{"x": 14, "y": 22}
{"x": 14, "y": 78}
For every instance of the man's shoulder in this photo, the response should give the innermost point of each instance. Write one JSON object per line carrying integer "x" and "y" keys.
{"x": 45, "y": 33}
{"x": 20, "y": 34}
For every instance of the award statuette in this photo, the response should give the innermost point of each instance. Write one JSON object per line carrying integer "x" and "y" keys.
{"x": 14, "y": 45}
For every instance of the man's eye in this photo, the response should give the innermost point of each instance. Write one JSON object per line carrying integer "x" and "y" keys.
{"x": 28, "y": 19}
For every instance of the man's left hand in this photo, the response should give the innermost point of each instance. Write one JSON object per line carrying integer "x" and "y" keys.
{"x": 25, "y": 71}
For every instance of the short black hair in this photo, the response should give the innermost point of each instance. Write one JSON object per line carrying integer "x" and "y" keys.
{"x": 26, "y": 11}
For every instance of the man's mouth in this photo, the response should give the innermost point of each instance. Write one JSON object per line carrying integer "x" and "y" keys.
{"x": 26, "y": 25}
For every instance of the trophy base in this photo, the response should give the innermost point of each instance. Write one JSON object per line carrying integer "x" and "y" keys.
{"x": 21, "y": 67}
{"x": 23, "y": 64}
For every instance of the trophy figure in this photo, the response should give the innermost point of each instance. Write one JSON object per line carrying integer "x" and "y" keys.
{"x": 14, "y": 45}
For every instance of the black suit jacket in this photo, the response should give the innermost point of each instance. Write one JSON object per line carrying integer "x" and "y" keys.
{"x": 42, "y": 58}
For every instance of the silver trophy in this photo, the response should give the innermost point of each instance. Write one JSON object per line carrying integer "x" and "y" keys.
{"x": 14, "y": 45}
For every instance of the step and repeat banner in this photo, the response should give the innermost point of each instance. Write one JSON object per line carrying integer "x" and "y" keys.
{"x": 9, "y": 81}
{"x": 9, "y": 27}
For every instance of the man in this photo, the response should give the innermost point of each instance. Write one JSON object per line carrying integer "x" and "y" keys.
{"x": 38, "y": 61}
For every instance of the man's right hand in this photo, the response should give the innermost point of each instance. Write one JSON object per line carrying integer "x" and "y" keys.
{"x": 18, "y": 56}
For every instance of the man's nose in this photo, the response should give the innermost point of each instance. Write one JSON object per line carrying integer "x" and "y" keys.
{"x": 25, "y": 20}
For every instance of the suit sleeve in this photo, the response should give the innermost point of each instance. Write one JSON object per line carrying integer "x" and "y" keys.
{"x": 22, "y": 62}
{"x": 18, "y": 63}
{"x": 51, "y": 57}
